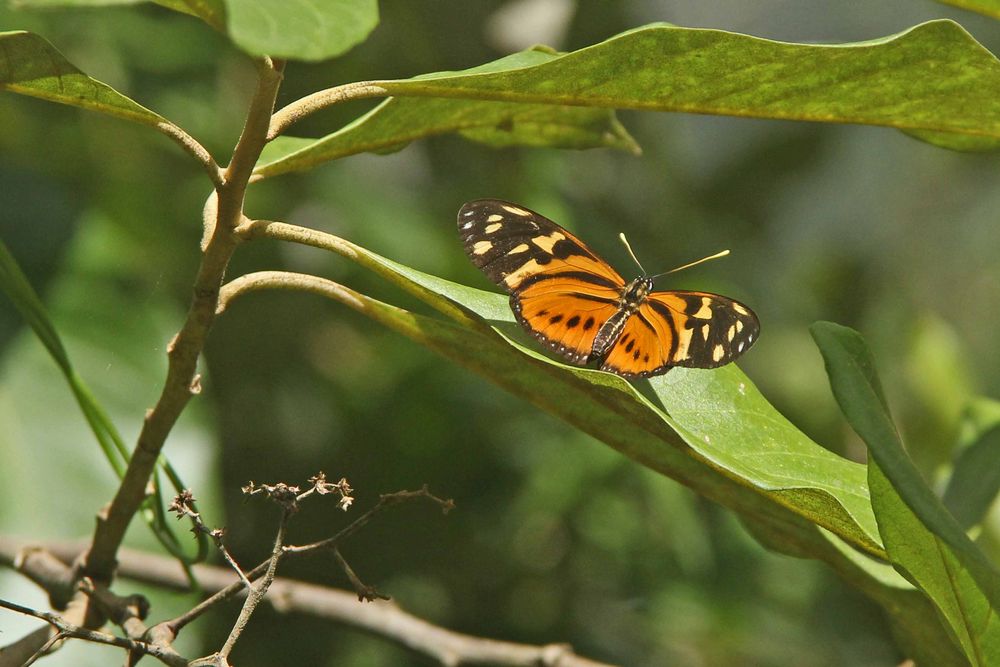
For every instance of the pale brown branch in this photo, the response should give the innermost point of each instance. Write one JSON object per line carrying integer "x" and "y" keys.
{"x": 185, "y": 349}
{"x": 71, "y": 630}
{"x": 299, "y": 109}
{"x": 381, "y": 618}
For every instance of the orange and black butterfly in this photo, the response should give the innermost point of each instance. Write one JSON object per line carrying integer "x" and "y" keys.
{"x": 574, "y": 302}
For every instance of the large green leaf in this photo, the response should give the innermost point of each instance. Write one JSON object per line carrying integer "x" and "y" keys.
{"x": 720, "y": 437}
{"x": 300, "y": 29}
{"x": 399, "y": 120}
{"x": 934, "y": 81}
{"x": 711, "y": 430}
{"x": 212, "y": 12}
{"x": 32, "y": 66}
{"x": 923, "y": 540}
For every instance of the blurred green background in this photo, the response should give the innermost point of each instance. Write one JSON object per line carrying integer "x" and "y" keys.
{"x": 556, "y": 537}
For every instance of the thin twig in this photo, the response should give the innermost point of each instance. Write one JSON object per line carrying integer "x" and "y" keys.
{"x": 257, "y": 592}
{"x": 299, "y": 109}
{"x": 385, "y": 501}
{"x": 70, "y": 630}
{"x": 232, "y": 590}
{"x": 365, "y": 592}
{"x": 183, "y": 505}
{"x": 46, "y": 647}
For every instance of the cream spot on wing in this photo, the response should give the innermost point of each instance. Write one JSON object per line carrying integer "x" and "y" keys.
{"x": 683, "y": 343}
{"x": 740, "y": 309}
{"x": 518, "y": 248}
{"x": 492, "y": 228}
{"x": 718, "y": 352}
{"x": 731, "y": 333}
{"x": 705, "y": 312}
{"x": 514, "y": 278}
{"x": 481, "y": 247}
{"x": 546, "y": 242}
{"x": 739, "y": 326}
{"x": 496, "y": 217}
{"x": 516, "y": 211}
{"x": 705, "y": 331}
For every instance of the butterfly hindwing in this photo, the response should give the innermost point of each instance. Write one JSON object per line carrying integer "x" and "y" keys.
{"x": 565, "y": 313}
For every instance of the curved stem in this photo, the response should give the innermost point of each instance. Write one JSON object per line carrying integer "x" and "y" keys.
{"x": 194, "y": 149}
{"x": 281, "y": 280}
{"x": 301, "y": 108}
{"x": 283, "y": 231}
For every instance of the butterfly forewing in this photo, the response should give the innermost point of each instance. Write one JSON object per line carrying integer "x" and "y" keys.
{"x": 515, "y": 247}
{"x": 562, "y": 293}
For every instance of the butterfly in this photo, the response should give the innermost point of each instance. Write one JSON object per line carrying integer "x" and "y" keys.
{"x": 574, "y": 302}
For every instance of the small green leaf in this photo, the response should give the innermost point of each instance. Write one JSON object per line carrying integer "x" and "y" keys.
{"x": 975, "y": 478}
{"x": 987, "y": 7}
{"x": 30, "y": 65}
{"x": 15, "y": 285}
{"x": 934, "y": 80}
{"x": 300, "y": 29}
{"x": 400, "y": 120}
{"x": 923, "y": 540}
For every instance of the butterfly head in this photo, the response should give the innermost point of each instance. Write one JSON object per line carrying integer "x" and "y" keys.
{"x": 637, "y": 290}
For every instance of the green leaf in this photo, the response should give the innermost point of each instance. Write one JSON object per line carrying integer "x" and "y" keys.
{"x": 15, "y": 285}
{"x": 211, "y": 12}
{"x": 923, "y": 540}
{"x": 987, "y": 7}
{"x": 975, "y": 478}
{"x": 934, "y": 80}
{"x": 753, "y": 461}
{"x": 711, "y": 430}
{"x": 30, "y": 65}
{"x": 400, "y": 120}
{"x": 300, "y": 29}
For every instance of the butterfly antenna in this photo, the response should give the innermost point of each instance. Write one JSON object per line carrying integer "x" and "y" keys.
{"x": 629, "y": 248}
{"x": 717, "y": 255}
